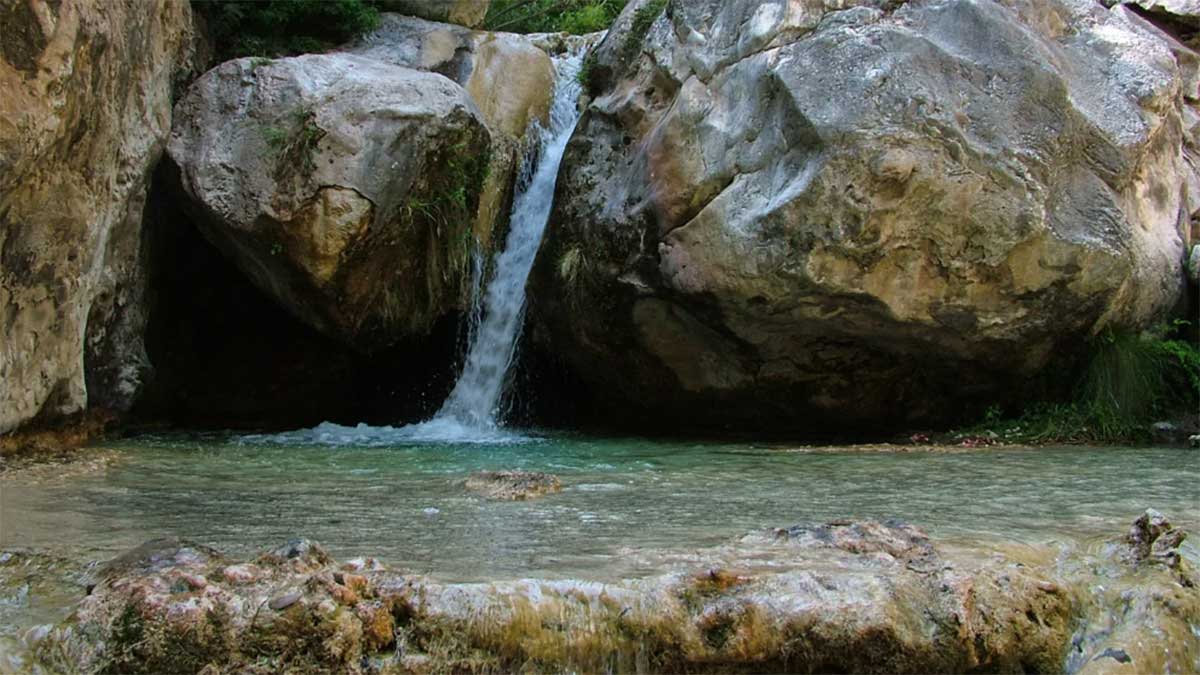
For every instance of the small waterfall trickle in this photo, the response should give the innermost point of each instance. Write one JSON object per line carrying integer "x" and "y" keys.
{"x": 474, "y": 403}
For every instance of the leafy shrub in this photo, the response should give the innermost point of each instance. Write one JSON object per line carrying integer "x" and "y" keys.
{"x": 553, "y": 16}
{"x": 284, "y": 27}
{"x": 1130, "y": 380}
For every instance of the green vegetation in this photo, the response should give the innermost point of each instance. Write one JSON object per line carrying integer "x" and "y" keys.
{"x": 438, "y": 216}
{"x": 295, "y": 146}
{"x": 1130, "y": 382}
{"x": 584, "y": 76}
{"x": 283, "y": 27}
{"x": 643, "y": 19}
{"x": 552, "y": 16}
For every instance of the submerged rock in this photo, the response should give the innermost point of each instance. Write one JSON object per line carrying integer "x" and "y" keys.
{"x": 84, "y": 115}
{"x": 344, "y": 187}
{"x": 1152, "y": 538}
{"x": 783, "y": 214}
{"x": 513, "y": 485}
{"x": 1137, "y": 604}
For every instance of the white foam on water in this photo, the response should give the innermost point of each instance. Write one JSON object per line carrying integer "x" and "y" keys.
{"x": 434, "y": 432}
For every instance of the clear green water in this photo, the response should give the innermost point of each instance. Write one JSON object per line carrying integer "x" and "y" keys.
{"x": 404, "y": 504}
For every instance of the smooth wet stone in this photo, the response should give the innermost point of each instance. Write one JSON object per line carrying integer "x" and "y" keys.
{"x": 893, "y": 538}
{"x": 158, "y": 554}
{"x": 513, "y": 485}
{"x": 284, "y": 601}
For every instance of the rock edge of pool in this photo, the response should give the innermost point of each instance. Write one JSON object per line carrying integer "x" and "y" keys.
{"x": 844, "y": 596}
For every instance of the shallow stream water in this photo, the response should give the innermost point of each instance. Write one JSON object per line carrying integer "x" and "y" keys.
{"x": 404, "y": 503}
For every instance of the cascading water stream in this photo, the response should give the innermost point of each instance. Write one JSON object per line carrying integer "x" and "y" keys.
{"x": 475, "y": 400}
{"x": 471, "y": 412}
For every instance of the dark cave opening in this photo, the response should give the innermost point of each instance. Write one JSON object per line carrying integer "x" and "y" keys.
{"x": 225, "y": 356}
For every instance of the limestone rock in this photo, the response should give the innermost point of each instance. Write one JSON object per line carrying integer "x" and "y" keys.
{"x": 1187, "y": 11}
{"x": 780, "y": 214}
{"x": 469, "y": 13}
{"x": 508, "y": 77}
{"x": 852, "y": 610}
{"x": 342, "y": 186}
{"x": 83, "y": 118}
{"x": 513, "y": 485}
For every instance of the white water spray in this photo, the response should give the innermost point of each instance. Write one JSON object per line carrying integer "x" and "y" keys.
{"x": 471, "y": 413}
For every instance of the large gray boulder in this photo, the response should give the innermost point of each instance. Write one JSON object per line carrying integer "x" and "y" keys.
{"x": 84, "y": 114}
{"x": 780, "y": 214}
{"x": 344, "y": 187}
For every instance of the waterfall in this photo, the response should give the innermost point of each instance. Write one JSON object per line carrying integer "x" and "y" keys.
{"x": 475, "y": 400}
{"x": 471, "y": 413}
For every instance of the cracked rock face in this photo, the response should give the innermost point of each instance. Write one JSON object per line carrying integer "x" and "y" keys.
{"x": 344, "y": 187}
{"x": 84, "y": 115}
{"x": 776, "y": 214}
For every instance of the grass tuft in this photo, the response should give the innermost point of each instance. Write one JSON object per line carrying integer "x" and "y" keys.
{"x": 1131, "y": 380}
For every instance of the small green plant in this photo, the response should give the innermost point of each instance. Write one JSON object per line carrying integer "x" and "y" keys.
{"x": 569, "y": 265}
{"x": 274, "y": 136}
{"x": 643, "y": 19}
{"x": 260, "y": 61}
{"x": 1129, "y": 380}
{"x": 295, "y": 146}
{"x": 586, "y": 70}
{"x": 993, "y": 415}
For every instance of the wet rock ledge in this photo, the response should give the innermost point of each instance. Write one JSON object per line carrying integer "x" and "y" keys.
{"x": 842, "y": 597}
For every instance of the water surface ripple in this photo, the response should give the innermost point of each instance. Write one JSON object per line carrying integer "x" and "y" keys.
{"x": 405, "y": 504}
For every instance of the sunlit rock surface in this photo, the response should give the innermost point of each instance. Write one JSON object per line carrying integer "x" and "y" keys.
{"x": 844, "y": 597}
{"x": 506, "y": 74}
{"x": 780, "y": 214}
{"x": 342, "y": 186}
{"x": 85, "y": 111}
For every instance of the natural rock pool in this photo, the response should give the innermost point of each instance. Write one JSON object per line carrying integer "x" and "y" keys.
{"x": 623, "y": 499}
{"x": 629, "y": 508}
